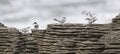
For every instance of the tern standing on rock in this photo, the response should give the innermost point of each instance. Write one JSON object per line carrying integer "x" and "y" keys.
{"x": 62, "y": 21}
{"x": 91, "y": 17}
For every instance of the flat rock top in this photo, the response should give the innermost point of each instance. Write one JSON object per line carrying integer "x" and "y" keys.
{"x": 75, "y": 24}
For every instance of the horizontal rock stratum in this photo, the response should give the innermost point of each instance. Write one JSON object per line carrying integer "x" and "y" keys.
{"x": 63, "y": 39}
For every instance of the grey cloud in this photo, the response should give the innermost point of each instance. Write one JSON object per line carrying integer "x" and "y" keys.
{"x": 3, "y": 2}
{"x": 79, "y": 3}
{"x": 63, "y": 8}
{"x": 9, "y": 11}
{"x": 21, "y": 11}
{"x": 17, "y": 20}
{"x": 76, "y": 4}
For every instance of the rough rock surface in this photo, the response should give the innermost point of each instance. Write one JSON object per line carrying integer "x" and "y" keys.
{"x": 63, "y": 39}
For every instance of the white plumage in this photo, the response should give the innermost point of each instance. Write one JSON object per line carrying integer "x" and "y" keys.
{"x": 62, "y": 21}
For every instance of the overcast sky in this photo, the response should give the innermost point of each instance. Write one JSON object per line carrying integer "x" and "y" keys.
{"x": 22, "y": 13}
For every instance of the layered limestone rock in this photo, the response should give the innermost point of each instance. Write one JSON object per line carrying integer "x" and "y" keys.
{"x": 74, "y": 38}
{"x": 116, "y": 20}
{"x": 63, "y": 39}
{"x": 39, "y": 35}
{"x": 112, "y": 39}
{"x": 8, "y": 38}
{"x": 27, "y": 44}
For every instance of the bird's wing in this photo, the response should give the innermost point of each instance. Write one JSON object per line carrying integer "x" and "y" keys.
{"x": 57, "y": 20}
{"x": 88, "y": 19}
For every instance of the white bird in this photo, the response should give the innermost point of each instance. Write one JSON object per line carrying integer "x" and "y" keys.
{"x": 62, "y": 21}
{"x": 91, "y": 17}
{"x": 25, "y": 30}
{"x": 36, "y": 26}
{"x": 91, "y": 20}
